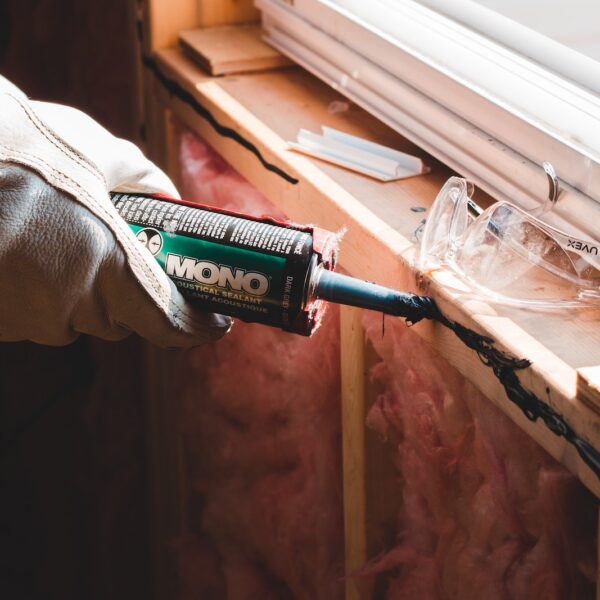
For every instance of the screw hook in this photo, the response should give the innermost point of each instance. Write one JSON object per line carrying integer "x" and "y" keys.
{"x": 553, "y": 187}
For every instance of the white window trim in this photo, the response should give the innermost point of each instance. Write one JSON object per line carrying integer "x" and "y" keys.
{"x": 500, "y": 150}
{"x": 569, "y": 63}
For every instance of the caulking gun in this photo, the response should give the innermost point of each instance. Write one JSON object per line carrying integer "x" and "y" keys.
{"x": 264, "y": 271}
{"x": 256, "y": 269}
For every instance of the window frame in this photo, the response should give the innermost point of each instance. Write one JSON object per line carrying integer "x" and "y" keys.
{"x": 501, "y": 150}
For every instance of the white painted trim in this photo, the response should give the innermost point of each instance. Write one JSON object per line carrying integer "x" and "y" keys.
{"x": 505, "y": 78}
{"x": 565, "y": 61}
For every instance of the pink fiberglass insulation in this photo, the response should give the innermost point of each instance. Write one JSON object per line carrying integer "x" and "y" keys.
{"x": 486, "y": 513}
{"x": 260, "y": 418}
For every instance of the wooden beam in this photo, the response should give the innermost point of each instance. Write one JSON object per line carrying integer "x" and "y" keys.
{"x": 165, "y": 19}
{"x": 352, "y": 341}
{"x": 226, "y": 12}
{"x": 164, "y": 467}
{"x": 382, "y": 481}
{"x": 598, "y": 558}
{"x": 372, "y": 493}
{"x": 167, "y": 479}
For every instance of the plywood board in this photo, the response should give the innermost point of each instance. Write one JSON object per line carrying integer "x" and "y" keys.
{"x": 231, "y": 49}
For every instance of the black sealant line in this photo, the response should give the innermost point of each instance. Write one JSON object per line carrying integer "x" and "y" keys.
{"x": 177, "y": 90}
{"x": 503, "y": 366}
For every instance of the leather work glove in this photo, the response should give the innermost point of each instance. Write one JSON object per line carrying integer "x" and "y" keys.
{"x": 68, "y": 263}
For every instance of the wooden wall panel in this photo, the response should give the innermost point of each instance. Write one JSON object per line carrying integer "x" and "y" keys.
{"x": 226, "y": 12}
{"x": 164, "y": 20}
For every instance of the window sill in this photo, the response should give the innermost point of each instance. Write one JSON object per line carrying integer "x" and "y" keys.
{"x": 266, "y": 110}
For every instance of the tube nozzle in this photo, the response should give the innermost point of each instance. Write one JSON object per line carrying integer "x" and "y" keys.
{"x": 342, "y": 289}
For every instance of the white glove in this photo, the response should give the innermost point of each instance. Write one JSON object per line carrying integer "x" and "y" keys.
{"x": 68, "y": 263}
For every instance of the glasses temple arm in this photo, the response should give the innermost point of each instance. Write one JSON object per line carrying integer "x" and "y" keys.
{"x": 474, "y": 209}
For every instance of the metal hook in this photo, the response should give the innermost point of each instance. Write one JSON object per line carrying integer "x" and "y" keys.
{"x": 553, "y": 188}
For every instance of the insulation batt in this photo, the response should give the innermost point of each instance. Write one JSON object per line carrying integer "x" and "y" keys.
{"x": 260, "y": 417}
{"x": 486, "y": 512}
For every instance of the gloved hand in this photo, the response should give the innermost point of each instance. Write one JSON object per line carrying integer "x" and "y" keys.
{"x": 68, "y": 263}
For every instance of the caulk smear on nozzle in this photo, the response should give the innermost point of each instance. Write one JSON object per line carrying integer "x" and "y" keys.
{"x": 342, "y": 289}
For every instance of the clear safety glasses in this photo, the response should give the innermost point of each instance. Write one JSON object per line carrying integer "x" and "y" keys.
{"x": 507, "y": 255}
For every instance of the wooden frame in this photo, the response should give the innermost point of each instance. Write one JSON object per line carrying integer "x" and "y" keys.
{"x": 377, "y": 246}
{"x": 380, "y": 224}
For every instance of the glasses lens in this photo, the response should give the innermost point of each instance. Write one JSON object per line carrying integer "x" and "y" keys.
{"x": 446, "y": 223}
{"x": 510, "y": 255}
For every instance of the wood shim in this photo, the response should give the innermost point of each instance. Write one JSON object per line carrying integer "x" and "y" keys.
{"x": 231, "y": 49}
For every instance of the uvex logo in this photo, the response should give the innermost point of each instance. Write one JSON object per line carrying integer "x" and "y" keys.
{"x": 210, "y": 273}
{"x": 583, "y": 247}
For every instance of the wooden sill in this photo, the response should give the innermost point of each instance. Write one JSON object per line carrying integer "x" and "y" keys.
{"x": 269, "y": 108}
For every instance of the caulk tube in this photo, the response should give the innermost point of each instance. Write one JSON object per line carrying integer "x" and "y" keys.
{"x": 254, "y": 269}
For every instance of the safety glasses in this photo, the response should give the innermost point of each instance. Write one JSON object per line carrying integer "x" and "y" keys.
{"x": 507, "y": 255}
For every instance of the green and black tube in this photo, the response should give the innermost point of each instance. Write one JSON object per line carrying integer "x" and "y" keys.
{"x": 255, "y": 269}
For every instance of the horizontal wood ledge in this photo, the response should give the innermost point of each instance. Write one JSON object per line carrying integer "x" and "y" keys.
{"x": 267, "y": 109}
